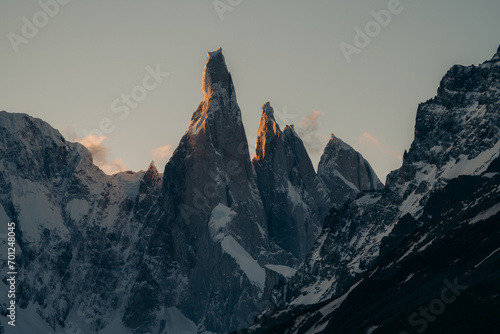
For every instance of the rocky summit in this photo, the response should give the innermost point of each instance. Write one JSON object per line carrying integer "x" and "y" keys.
{"x": 295, "y": 200}
{"x": 345, "y": 172}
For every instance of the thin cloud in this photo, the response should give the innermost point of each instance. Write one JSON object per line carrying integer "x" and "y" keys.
{"x": 162, "y": 154}
{"x": 366, "y": 138}
{"x": 113, "y": 167}
{"x": 367, "y": 141}
{"x": 308, "y": 132}
{"x": 102, "y": 154}
{"x": 310, "y": 122}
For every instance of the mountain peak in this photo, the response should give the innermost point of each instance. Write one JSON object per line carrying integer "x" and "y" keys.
{"x": 152, "y": 176}
{"x": 345, "y": 172}
{"x": 497, "y": 55}
{"x": 215, "y": 75}
{"x": 152, "y": 166}
{"x": 337, "y": 142}
{"x": 268, "y": 129}
{"x": 267, "y": 113}
{"x": 214, "y": 53}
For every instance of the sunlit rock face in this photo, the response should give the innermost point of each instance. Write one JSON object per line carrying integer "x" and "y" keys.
{"x": 214, "y": 234}
{"x": 294, "y": 198}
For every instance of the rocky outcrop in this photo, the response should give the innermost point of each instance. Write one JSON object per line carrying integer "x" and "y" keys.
{"x": 207, "y": 252}
{"x": 295, "y": 201}
{"x": 345, "y": 172}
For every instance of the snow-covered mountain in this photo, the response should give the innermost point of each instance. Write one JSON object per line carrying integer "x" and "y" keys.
{"x": 422, "y": 254}
{"x": 72, "y": 224}
{"x": 196, "y": 249}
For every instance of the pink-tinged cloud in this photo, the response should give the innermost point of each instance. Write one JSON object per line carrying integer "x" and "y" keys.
{"x": 101, "y": 154}
{"x": 161, "y": 155}
{"x": 113, "y": 167}
{"x": 310, "y": 122}
{"x": 371, "y": 142}
{"x": 162, "y": 152}
{"x": 366, "y": 138}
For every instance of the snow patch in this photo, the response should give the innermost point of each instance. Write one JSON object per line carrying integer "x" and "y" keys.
{"x": 285, "y": 271}
{"x": 221, "y": 216}
{"x": 328, "y": 309}
{"x": 255, "y": 273}
{"x": 77, "y": 209}
{"x": 464, "y": 166}
{"x": 486, "y": 214}
{"x": 130, "y": 182}
{"x": 178, "y": 323}
{"x": 368, "y": 199}
{"x": 409, "y": 277}
{"x": 293, "y": 195}
{"x": 36, "y": 211}
{"x": 348, "y": 183}
{"x": 371, "y": 329}
{"x": 437, "y": 149}
{"x": 113, "y": 211}
{"x": 480, "y": 263}
{"x": 115, "y": 326}
{"x": 314, "y": 293}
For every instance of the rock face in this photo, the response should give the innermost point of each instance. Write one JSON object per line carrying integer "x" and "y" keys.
{"x": 434, "y": 226}
{"x": 294, "y": 198}
{"x": 345, "y": 172}
{"x": 206, "y": 255}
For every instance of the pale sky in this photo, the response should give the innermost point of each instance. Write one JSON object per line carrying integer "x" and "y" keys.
{"x": 82, "y": 59}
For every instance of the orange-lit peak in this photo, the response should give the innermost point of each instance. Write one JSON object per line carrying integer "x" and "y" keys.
{"x": 215, "y": 75}
{"x": 268, "y": 130}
